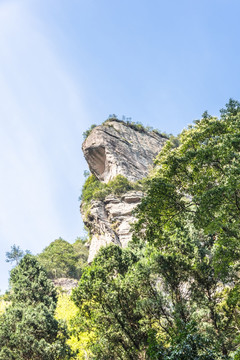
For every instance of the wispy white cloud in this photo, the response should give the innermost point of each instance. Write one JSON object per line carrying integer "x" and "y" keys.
{"x": 40, "y": 117}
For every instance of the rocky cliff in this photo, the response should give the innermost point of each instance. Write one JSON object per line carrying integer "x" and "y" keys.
{"x": 116, "y": 148}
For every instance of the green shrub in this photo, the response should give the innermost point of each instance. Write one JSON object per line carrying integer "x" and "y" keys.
{"x": 120, "y": 185}
{"x": 93, "y": 189}
{"x": 90, "y": 187}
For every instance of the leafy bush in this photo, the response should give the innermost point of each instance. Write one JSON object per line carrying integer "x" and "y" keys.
{"x": 120, "y": 185}
{"x": 90, "y": 187}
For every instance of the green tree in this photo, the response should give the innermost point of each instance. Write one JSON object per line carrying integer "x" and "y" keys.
{"x": 16, "y": 254}
{"x": 61, "y": 259}
{"x": 28, "y": 328}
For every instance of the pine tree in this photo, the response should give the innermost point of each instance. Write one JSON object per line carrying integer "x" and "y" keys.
{"x": 28, "y": 328}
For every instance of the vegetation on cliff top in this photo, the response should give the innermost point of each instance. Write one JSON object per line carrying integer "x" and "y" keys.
{"x": 137, "y": 126}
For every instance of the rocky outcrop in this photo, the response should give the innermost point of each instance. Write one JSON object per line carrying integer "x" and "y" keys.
{"x": 110, "y": 220}
{"x": 65, "y": 284}
{"x": 115, "y": 148}
{"x": 111, "y": 149}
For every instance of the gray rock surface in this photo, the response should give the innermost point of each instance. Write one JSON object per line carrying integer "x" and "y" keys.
{"x": 65, "y": 284}
{"x": 115, "y": 148}
{"x": 109, "y": 221}
{"x": 112, "y": 149}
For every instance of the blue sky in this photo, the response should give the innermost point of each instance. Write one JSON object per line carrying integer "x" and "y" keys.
{"x": 65, "y": 65}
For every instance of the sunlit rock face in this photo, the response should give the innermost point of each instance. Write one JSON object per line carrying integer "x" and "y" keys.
{"x": 112, "y": 149}
{"x": 109, "y": 221}
{"x": 115, "y": 148}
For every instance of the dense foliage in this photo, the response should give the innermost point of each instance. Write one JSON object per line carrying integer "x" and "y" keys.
{"x": 61, "y": 259}
{"x": 174, "y": 293}
{"x": 28, "y": 328}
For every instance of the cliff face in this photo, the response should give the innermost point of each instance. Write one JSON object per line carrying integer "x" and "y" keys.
{"x": 114, "y": 149}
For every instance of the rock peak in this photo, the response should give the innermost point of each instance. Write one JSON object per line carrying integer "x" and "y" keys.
{"x": 115, "y": 148}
